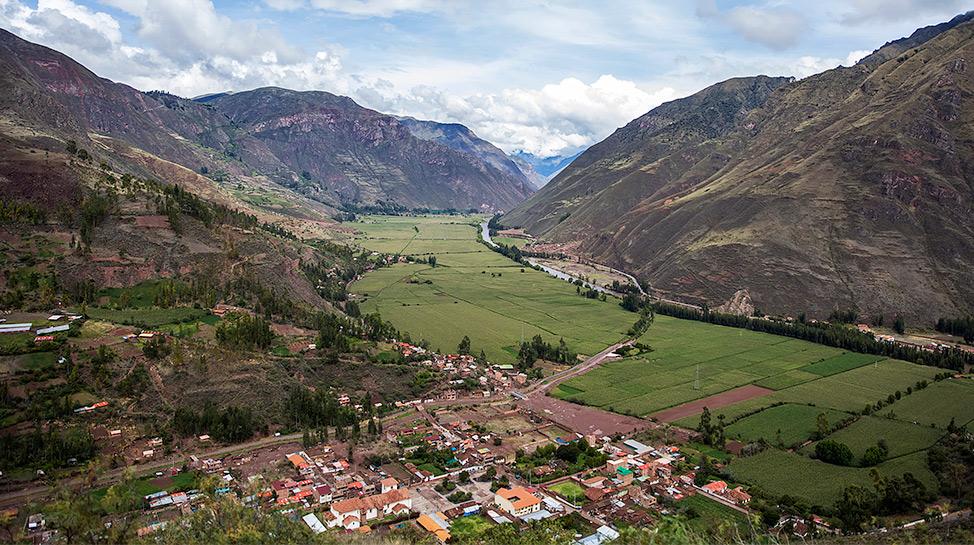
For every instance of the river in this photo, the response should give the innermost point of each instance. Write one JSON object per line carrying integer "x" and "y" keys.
{"x": 562, "y": 275}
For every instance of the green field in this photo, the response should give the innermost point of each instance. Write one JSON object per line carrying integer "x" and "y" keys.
{"x": 469, "y": 527}
{"x": 937, "y": 404}
{"x": 779, "y": 472}
{"x": 705, "y": 514}
{"x": 790, "y": 423}
{"x": 849, "y": 391}
{"x": 569, "y": 490}
{"x": 146, "y": 317}
{"x": 690, "y": 360}
{"x": 901, "y": 437}
{"x": 476, "y": 292}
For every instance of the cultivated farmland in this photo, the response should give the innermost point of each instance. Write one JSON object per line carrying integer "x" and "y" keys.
{"x": 691, "y": 360}
{"x": 779, "y": 472}
{"x": 937, "y": 404}
{"x": 901, "y": 437}
{"x": 787, "y": 424}
{"x": 476, "y": 292}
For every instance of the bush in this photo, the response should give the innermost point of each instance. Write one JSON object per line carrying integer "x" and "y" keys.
{"x": 834, "y": 452}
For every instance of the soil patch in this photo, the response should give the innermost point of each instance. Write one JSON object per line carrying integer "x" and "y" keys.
{"x": 715, "y": 401}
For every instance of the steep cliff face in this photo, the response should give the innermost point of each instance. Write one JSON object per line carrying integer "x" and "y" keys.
{"x": 848, "y": 189}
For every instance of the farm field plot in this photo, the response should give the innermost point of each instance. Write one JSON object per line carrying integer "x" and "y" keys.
{"x": 901, "y": 437}
{"x": 707, "y": 514}
{"x": 849, "y": 391}
{"x": 790, "y": 423}
{"x": 476, "y": 292}
{"x": 937, "y": 404}
{"x": 692, "y": 360}
{"x": 780, "y": 472}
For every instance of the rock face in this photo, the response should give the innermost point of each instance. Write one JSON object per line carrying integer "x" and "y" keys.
{"x": 319, "y": 145}
{"x": 849, "y": 189}
{"x": 462, "y": 139}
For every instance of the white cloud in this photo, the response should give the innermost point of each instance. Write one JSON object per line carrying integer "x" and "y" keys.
{"x": 361, "y": 8}
{"x": 552, "y": 119}
{"x": 855, "y": 56}
{"x": 777, "y": 28}
{"x": 863, "y": 11}
{"x": 190, "y": 48}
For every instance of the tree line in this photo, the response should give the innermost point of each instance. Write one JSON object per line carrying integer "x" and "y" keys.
{"x": 961, "y": 327}
{"x": 838, "y": 336}
{"x": 538, "y": 348}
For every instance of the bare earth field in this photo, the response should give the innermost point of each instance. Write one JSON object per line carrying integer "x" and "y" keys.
{"x": 722, "y": 399}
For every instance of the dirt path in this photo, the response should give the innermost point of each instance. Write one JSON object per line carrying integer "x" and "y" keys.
{"x": 546, "y": 385}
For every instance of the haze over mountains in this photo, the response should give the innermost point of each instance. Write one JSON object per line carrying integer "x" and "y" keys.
{"x": 848, "y": 189}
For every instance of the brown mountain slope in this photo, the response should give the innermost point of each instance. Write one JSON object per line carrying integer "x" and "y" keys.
{"x": 361, "y": 156}
{"x": 314, "y": 151}
{"x": 851, "y": 189}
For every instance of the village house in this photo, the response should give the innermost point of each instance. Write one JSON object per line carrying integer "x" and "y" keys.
{"x": 518, "y": 501}
{"x": 352, "y": 513}
{"x": 435, "y": 524}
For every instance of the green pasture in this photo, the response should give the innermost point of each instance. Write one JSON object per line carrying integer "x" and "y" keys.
{"x": 937, "y": 404}
{"x": 691, "y": 360}
{"x": 901, "y": 437}
{"x": 790, "y": 423}
{"x": 779, "y": 472}
{"x": 476, "y": 292}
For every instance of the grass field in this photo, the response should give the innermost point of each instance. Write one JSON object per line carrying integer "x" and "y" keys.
{"x": 724, "y": 357}
{"x": 705, "y": 514}
{"x": 476, "y": 292}
{"x": 901, "y": 437}
{"x": 469, "y": 527}
{"x": 146, "y": 317}
{"x": 937, "y": 404}
{"x": 569, "y": 490}
{"x": 790, "y": 423}
{"x": 779, "y": 472}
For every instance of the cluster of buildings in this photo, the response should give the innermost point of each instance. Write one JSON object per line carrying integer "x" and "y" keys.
{"x": 42, "y": 334}
{"x": 462, "y": 368}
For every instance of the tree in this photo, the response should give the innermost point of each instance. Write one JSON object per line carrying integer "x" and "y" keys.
{"x": 432, "y": 261}
{"x": 899, "y": 325}
{"x": 822, "y": 427}
{"x": 875, "y": 454}
{"x": 833, "y": 452}
{"x": 855, "y": 507}
{"x": 464, "y": 346}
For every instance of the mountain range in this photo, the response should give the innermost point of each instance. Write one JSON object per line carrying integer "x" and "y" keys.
{"x": 315, "y": 145}
{"x": 849, "y": 189}
{"x": 542, "y": 169}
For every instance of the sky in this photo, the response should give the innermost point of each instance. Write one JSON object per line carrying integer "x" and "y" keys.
{"x": 545, "y": 77}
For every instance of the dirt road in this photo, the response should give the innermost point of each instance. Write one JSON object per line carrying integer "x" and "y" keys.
{"x": 546, "y": 385}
